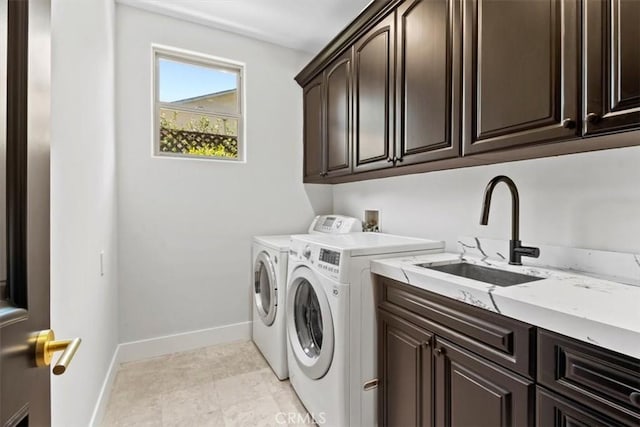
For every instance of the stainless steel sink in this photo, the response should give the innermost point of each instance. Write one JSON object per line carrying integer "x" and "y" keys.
{"x": 483, "y": 274}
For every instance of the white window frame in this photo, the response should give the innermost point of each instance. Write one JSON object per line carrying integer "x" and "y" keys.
{"x": 194, "y": 58}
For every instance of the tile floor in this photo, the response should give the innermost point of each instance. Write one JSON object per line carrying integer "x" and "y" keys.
{"x": 219, "y": 386}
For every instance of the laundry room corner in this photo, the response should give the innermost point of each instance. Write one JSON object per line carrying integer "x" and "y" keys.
{"x": 320, "y": 198}
{"x": 185, "y": 226}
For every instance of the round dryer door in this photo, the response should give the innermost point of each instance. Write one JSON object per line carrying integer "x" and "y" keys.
{"x": 309, "y": 323}
{"x": 265, "y": 290}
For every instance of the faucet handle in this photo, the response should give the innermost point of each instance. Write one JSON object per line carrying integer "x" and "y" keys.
{"x": 535, "y": 252}
{"x": 517, "y": 251}
{"x": 527, "y": 251}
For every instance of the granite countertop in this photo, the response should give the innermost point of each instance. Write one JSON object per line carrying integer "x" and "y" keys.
{"x": 596, "y": 311}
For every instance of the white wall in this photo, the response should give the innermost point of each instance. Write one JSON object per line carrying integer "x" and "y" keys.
{"x": 589, "y": 200}
{"x": 185, "y": 226}
{"x": 83, "y": 201}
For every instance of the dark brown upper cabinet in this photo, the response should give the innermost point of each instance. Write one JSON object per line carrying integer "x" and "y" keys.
{"x": 612, "y": 59}
{"x": 428, "y": 80}
{"x": 520, "y": 73}
{"x": 374, "y": 97}
{"x": 419, "y": 85}
{"x": 327, "y": 121}
{"x": 338, "y": 95}
{"x": 313, "y": 130}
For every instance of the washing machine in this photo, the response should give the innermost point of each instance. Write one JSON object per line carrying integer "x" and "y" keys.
{"x": 269, "y": 273}
{"x": 331, "y": 322}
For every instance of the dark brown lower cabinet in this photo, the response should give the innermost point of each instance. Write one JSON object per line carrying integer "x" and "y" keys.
{"x": 600, "y": 379}
{"x": 472, "y": 391}
{"x": 445, "y": 385}
{"x": 443, "y": 363}
{"x": 556, "y": 411}
{"x": 407, "y": 365}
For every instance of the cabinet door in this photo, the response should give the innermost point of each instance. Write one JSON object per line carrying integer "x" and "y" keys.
{"x": 471, "y": 391}
{"x": 406, "y": 373}
{"x": 601, "y": 379}
{"x": 520, "y": 73}
{"x": 428, "y": 80}
{"x": 313, "y": 133}
{"x": 338, "y": 116}
{"x": 555, "y": 411}
{"x": 612, "y": 59}
{"x": 374, "y": 91}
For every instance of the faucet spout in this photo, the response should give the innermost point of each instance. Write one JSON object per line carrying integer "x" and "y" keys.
{"x": 515, "y": 204}
{"x": 516, "y": 250}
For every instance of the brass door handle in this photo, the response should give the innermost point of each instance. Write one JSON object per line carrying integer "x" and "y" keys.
{"x": 46, "y": 346}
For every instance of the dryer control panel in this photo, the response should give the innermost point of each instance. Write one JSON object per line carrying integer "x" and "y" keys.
{"x": 335, "y": 224}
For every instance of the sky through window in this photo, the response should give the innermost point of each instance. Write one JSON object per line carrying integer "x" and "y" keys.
{"x": 179, "y": 80}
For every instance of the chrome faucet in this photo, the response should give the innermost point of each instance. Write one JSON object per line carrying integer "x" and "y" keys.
{"x": 516, "y": 250}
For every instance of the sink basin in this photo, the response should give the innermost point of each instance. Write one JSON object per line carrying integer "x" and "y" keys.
{"x": 483, "y": 274}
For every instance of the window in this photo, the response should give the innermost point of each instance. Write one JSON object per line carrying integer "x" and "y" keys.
{"x": 198, "y": 106}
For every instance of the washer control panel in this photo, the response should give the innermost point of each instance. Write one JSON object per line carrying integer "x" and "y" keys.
{"x": 335, "y": 224}
{"x": 329, "y": 262}
{"x": 324, "y": 260}
{"x": 330, "y": 257}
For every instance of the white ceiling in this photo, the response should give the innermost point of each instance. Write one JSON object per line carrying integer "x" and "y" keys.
{"x": 306, "y": 25}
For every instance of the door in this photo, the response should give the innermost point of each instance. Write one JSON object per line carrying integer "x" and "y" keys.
{"x": 471, "y": 391}
{"x": 612, "y": 65}
{"x": 309, "y": 323}
{"x": 313, "y": 133}
{"x": 374, "y": 97}
{"x": 520, "y": 73}
{"x": 338, "y": 91}
{"x": 406, "y": 369}
{"x": 265, "y": 288}
{"x": 428, "y": 80}
{"x": 24, "y": 303}
{"x": 555, "y": 411}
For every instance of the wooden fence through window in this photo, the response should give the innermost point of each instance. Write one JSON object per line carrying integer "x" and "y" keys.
{"x": 184, "y": 141}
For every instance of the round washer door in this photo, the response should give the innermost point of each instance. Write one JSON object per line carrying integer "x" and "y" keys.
{"x": 309, "y": 323}
{"x": 265, "y": 291}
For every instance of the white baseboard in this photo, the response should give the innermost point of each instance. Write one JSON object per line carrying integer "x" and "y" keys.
{"x": 105, "y": 391}
{"x": 160, "y": 346}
